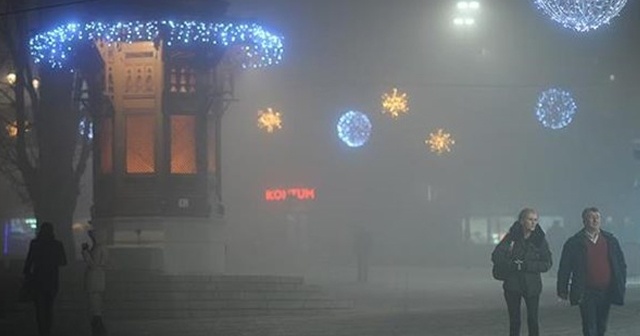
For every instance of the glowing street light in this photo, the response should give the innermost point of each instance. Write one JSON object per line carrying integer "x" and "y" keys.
{"x": 11, "y": 78}
{"x": 466, "y": 13}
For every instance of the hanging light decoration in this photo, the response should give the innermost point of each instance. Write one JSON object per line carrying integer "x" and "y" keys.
{"x": 581, "y": 15}
{"x": 269, "y": 120}
{"x": 440, "y": 142}
{"x": 260, "y": 47}
{"x": 555, "y": 109}
{"x": 354, "y": 128}
{"x": 394, "y": 103}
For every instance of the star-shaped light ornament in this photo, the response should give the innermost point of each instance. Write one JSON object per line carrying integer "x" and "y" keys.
{"x": 440, "y": 142}
{"x": 269, "y": 120}
{"x": 395, "y": 103}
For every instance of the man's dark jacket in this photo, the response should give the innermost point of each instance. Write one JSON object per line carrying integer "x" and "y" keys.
{"x": 572, "y": 272}
{"x": 535, "y": 254}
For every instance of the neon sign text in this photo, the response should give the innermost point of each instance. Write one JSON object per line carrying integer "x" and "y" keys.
{"x": 302, "y": 194}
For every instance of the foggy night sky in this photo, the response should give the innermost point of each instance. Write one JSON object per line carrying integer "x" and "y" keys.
{"x": 481, "y": 85}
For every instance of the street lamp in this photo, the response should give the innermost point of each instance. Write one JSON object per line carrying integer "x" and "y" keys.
{"x": 11, "y": 78}
{"x": 466, "y": 12}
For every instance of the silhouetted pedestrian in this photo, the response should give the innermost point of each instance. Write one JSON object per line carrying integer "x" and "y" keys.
{"x": 45, "y": 256}
{"x": 556, "y": 236}
{"x": 363, "y": 242}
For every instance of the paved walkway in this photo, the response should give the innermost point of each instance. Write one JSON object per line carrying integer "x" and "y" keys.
{"x": 397, "y": 302}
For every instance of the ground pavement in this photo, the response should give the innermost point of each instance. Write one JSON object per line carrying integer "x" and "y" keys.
{"x": 397, "y": 302}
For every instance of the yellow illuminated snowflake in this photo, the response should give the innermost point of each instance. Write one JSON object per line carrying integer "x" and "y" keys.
{"x": 440, "y": 142}
{"x": 395, "y": 103}
{"x": 269, "y": 120}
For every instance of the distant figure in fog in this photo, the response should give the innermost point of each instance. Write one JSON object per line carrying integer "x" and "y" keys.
{"x": 95, "y": 257}
{"x": 362, "y": 245}
{"x": 45, "y": 256}
{"x": 556, "y": 236}
{"x": 523, "y": 254}
{"x": 592, "y": 273}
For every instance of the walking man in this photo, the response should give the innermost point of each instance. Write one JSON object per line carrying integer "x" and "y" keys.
{"x": 592, "y": 273}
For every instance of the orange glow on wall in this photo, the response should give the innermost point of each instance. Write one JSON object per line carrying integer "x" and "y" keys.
{"x": 183, "y": 144}
{"x": 140, "y": 142}
{"x": 302, "y": 194}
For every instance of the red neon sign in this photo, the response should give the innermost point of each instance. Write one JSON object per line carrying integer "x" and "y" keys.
{"x": 302, "y": 194}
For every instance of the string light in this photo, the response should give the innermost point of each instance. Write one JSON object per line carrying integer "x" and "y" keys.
{"x": 261, "y": 48}
{"x": 555, "y": 108}
{"x": 583, "y": 15}
{"x": 354, "y": 128}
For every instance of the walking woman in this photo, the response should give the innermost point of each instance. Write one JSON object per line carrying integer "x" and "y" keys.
{"x": 524, "y": 254}
{"x": 95, "y": 258}
{"x": 45, "y": 256}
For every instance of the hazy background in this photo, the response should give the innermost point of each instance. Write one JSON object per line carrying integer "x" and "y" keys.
{"x": 479, "y": 84}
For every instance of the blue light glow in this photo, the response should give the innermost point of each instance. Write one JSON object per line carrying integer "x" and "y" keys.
{"x": 5, "y": 247}
{"x": 555, "y": 108}
{"x": 86, "y": 123}
{"x": 354, "y": 128}
{"x": 581, "y": 15}
{"x": 260, "y": 47}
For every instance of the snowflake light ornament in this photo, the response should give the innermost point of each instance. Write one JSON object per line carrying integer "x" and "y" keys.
{"x": 581, "y": 15}
{"x": 394, "y": 103}
{"x": 440, "y": 142}
{"x": 269, "y": 120}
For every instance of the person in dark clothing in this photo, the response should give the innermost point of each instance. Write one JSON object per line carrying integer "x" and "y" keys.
{"x": 524, "y": 253}
{"x": 362, "y": 242}
{"x": 556, "y": 236}
{"x": 592, "y": 273}
{"x": 45, "y": 256}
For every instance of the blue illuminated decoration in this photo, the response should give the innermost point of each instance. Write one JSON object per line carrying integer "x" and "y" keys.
{"x": 354, "y": 128}
{"x": 555, "y": 108}
{"x": 260, "y": 47}
{"x": 5, "y": 245}
{"x": 86, "y": 126}
{"x": 581, "y": 15}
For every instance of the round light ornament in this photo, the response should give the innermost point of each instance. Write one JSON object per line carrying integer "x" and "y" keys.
{"x": 581, "y": 15}
{"x": 555, "y": 108}
{"x": 354, "y": 128}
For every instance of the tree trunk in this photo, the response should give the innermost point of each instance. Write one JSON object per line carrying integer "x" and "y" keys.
{"x": 57, "y": 126}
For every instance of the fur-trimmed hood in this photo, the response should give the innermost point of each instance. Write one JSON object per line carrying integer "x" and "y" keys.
{"x": 537, "y": 236}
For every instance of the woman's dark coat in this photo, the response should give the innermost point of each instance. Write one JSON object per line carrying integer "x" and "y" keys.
{"x": 533, "y": 251}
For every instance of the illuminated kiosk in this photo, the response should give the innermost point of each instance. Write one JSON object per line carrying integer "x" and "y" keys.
{"x": 165, "y": 86}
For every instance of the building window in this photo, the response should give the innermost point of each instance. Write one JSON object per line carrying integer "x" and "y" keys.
{"x": 140, "y": 142}
{"x": 183, "y": 144}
